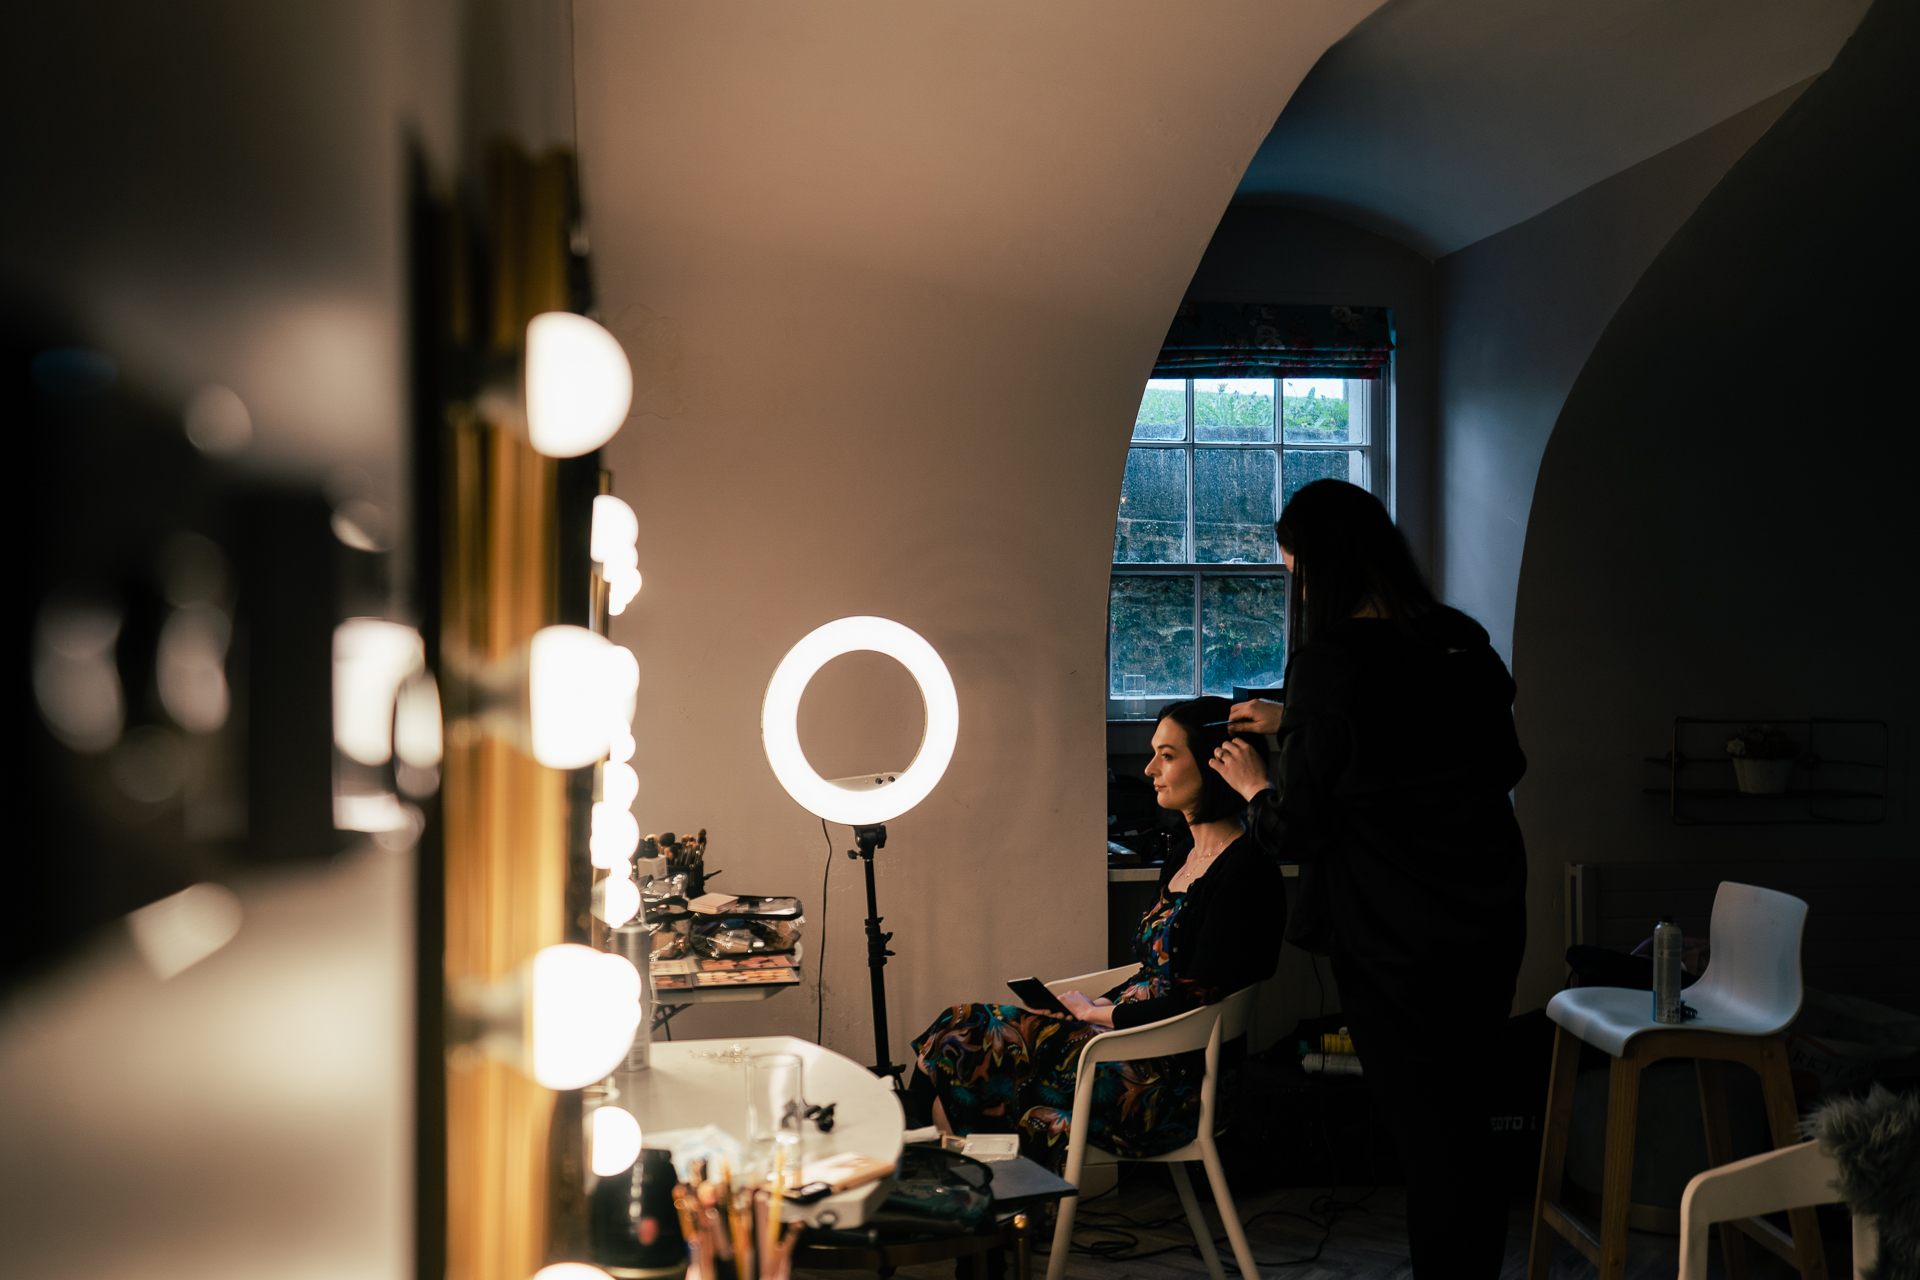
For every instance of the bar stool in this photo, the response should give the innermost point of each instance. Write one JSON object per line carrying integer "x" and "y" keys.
{"x": 1748, "y": 995}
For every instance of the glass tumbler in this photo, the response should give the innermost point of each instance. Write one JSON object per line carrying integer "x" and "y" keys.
{"x": 774, "y": 1110}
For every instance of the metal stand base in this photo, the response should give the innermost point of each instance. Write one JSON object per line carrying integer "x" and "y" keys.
{"x": 869, "y": 840}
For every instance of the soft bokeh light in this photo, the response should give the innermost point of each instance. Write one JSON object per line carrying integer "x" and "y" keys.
{"x": 615, "y": 529}
{"x": 217, "y": 420}
{"x": 614, "y": 835}
{"x": 570, "y": 1271}
{"x": 579, "y": 385}
{"x": 371, "y": 658}
{"x": 581, "y": 689}
{"x": 373, "y": 812}
{"x": 619, "y": 785}
{"x": 616, "y": 899}
{"x": 584, "y": 1006}
{"x": 417, "y": 736}
{"x": 616, "y": 533}
{"x": 178, "y": 932}
{"x": 621, "y": 746}
{"x": 780, "y": 731}
{"x": 75, "y": 680}
{"x": 191, "y": 667}
{"x": 613, "y": 1141}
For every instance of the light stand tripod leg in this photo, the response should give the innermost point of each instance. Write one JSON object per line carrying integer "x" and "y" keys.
{"x": 871, "y": 839}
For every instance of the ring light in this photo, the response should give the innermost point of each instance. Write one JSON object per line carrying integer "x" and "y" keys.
{"x": 867, "y": 802}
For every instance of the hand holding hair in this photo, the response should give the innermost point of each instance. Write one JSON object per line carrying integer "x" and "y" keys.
{"x": 1242, "y": 767}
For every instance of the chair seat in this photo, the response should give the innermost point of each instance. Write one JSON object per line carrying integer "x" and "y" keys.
{"x": 1608, "y": 1017}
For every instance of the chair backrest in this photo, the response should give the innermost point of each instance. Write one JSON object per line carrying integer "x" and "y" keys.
{"x": 1236, "y": 1011}
{"x": 1754, "y": 964}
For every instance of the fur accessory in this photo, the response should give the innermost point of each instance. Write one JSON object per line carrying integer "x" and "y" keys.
{"x": 1876, "y": 1142}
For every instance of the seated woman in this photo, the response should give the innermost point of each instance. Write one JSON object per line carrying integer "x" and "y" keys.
{"x": 1215, "y": 928}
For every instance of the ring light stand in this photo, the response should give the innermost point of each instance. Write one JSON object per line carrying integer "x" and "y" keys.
{"x": 867, "y": 802}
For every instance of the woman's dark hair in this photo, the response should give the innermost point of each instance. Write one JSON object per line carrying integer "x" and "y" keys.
{"x": 1200, "y": 718}
{"x": 1348, "y": 554}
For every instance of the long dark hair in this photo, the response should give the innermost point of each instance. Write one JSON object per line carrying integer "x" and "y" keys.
{"x": 1201, "y": 719}
{"x": 1348, "y": 554}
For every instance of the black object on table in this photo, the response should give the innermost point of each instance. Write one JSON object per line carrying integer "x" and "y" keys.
{"x": 1018, "y": 1186}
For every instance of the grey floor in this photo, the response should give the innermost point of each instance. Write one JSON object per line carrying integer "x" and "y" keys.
{"x": 1369, "y": 1241}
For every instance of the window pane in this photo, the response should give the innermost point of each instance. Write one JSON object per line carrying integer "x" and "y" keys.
{"x": 1150, "y": 637}
{"x": 1233, "y": 410}
{"x": 1304, "y": 466}
{"x": 1163, "y": 411}
{"x": 1233, "y": 511}
{"x": 1152, "y": 528}
{"x": 1316, "y": 410}
{"x": 1244, "y": 623}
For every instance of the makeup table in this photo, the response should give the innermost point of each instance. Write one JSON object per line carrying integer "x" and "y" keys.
{"x": 700, "y": 1082}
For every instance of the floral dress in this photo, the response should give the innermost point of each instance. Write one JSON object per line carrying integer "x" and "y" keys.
{"x": 999, "y": 1069}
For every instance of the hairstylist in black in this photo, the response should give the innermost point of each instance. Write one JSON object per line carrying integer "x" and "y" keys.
{"x": 1390, "y": 788}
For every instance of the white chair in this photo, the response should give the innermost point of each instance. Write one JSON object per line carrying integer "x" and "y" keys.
{"x": 1206, "y": 1028}
{"x": 1749, "y": 994}
{"x": 1790, "y": 1178}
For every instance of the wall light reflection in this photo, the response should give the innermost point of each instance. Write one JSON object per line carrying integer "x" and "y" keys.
{"x": 178, "y": 932}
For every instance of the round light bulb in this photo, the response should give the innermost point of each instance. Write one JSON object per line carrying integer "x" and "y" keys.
{"x": 780, "y": 730}
{"x": 613, "y": 837}
{"x": 371, "y": 659}
{"x": 619, "y": 784}
{"x": 417, "y": 738}
{"x": 616, "y": 531}
{"x": 579, "y": 384}
{"x": 583, "y": 1008}
{"x": 616, "y": 899}
{"x": 581, "y": 689}
{"x": 613, "y": 1141}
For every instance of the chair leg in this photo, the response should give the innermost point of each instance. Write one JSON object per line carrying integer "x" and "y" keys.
{"x": 1783, "y": 1117}
{"x": 1202, "y": 1234}
{"x": 1713, "y": 1112}
{"x": 1623, "y": 1115}
{"x": 1063, "y": 1223}
{"x": 1553, "y": 1149}
{"x": 1229, "y": 1216}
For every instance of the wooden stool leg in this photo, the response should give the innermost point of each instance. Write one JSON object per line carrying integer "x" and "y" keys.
{"x": 1623, "y": 1115}
{"x": 1783, "y": 1117}
{"x": 1713, "y": 1112}
{"x": 1553, "y": 1149}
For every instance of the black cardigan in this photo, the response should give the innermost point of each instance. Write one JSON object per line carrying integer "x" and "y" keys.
{"x": 1226, "y": 937}
{"x": 1396, "y": 757}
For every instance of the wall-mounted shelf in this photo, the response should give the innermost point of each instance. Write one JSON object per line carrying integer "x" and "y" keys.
{"x": 1840, "y": 779}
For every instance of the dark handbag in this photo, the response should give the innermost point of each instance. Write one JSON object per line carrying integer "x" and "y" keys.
{"x": 935, "y": 1193}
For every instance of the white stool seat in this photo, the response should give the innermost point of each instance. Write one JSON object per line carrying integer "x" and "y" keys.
{"x": 1751, "y": 986}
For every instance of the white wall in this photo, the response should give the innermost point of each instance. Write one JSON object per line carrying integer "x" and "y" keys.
{"x": 892, "y": 279}
{"x": 1520, "y": 310}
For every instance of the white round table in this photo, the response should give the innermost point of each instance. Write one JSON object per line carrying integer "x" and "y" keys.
{"x": 700, "y": 1082}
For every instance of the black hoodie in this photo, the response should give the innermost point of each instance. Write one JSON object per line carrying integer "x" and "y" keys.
{"x": 1396, "y": 757}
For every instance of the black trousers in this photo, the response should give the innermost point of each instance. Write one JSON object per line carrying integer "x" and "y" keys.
{"x": 1422, "y": 1053}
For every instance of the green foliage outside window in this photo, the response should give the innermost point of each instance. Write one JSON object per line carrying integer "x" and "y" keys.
{"x": 1315, "y": 417}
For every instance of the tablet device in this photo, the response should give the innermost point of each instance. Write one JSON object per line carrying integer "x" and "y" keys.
{"x": 1034, "y": 995}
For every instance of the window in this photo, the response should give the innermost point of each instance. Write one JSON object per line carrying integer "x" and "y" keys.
{"x": 1212, "y": 463}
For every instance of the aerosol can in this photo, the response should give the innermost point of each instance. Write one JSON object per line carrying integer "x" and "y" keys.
{"x": 1666, "y": 972}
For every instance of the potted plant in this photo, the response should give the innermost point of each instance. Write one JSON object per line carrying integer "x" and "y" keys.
{"x": 1763, "y": 759}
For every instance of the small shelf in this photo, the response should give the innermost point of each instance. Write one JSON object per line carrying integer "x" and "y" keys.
{"x": 1839, "y": 780}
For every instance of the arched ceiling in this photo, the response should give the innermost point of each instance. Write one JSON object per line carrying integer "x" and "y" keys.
{"x": 1440, "y": 122}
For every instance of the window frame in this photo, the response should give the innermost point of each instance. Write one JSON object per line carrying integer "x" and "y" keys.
{"x": 1376, "y": 452}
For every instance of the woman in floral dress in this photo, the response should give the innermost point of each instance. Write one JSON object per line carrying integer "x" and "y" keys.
{"x": 1214, "y": 929}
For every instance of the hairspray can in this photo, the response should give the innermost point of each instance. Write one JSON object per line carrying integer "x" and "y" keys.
{"x": 1666, "y": 972}
{"x": 635, "y": 942}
